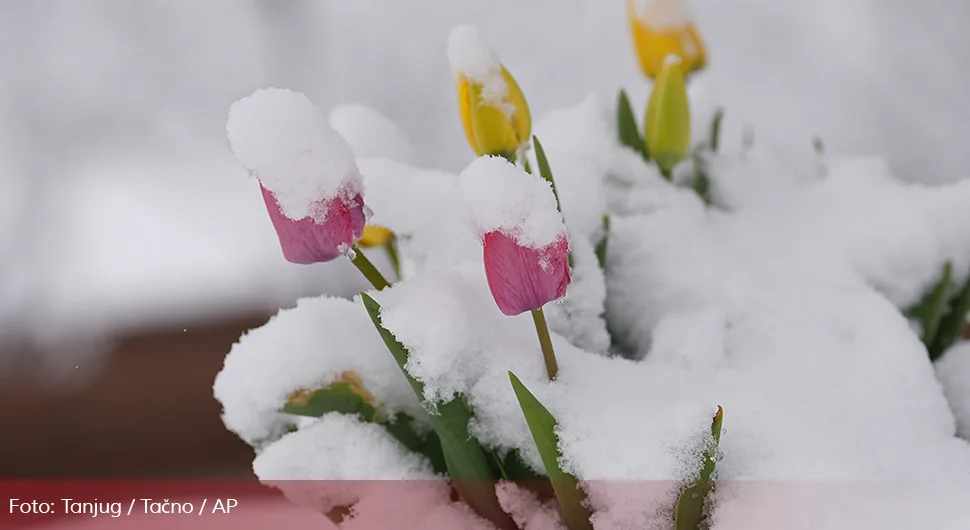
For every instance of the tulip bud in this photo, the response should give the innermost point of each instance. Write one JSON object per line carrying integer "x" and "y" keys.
{"x": 375, "y": 236}
{"x": 306, "y": 172}
{"x": 493, "y": 110}
{"x": 661, "y": 28}
{"x": 524, "y": 240}
{"x": 521, "y": 278}
{"x": 668, "y": 117}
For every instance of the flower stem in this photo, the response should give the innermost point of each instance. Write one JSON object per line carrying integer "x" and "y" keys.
{"x": 545, "y": 341}
{"x": 368, "y": 269}
{"x": 391, "y": 248}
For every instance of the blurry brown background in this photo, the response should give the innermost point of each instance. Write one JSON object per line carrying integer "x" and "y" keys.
{"x": 149, "y": 412}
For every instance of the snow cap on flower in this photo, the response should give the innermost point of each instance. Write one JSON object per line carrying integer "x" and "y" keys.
{"x": 306, "y": 171}
{"x": 284, "y": 140}
{"x": 524, "y": 239}
{"x": 667, "y": 122}
{"x": 493, "y": 110}
{"x": 661, "y": 28}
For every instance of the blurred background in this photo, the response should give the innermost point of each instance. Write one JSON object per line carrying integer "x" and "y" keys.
{"x": 134, "y": 250}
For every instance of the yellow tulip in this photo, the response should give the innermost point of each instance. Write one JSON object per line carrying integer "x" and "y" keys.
{"x": 375, "y": 236}
{"x": 661, "y": 28}
{"x": 491, "y": 128}
{"x": 668, "y": 117}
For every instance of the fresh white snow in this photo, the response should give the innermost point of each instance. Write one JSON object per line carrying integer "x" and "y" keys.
{"x": 286, "y": 142}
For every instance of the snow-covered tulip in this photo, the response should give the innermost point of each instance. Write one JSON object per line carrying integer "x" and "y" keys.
{"x": 521, "y": 278}
{"x": 525, "y": 245}
{"x": 309, "y": 240}
{"x": 661, "y": 28}
{"x": 667, "y": 122}
{"x": 307, "y": 174}
{"x": 494, "y": 114}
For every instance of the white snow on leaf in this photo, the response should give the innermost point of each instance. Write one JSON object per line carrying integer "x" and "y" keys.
{"x": 501, "y": 197}
{"x": 340, "y": 447}
{"x": 284, "y": 140}
{"x": 306, "y": 348}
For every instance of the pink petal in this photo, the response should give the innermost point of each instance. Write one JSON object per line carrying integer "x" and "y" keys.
{"x": 516, "y": 275}
{"x": 307, "y": 241}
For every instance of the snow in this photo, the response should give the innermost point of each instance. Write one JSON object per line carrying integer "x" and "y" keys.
{"x": 285, "y": 141}
{"x": 324, "y": 337}
{"x": 320, "y": 467}
{"x": 472, "y": 58}
{"x": 953, "y": 371}
{"x": 781, "y": 303}
{"x": 503, "y": 198}
{"x": 662, "y": 14}
{"x": 347, "y": 441}
{"x": 371, "y": 134}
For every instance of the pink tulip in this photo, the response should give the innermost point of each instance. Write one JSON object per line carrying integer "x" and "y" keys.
{"x": 306, "y": 240}
{"x": 525, "y": 279}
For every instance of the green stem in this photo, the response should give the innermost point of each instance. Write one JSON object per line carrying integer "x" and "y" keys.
{"x": 545, "y": 342}
{"x": 368, "y": 269}
{"x": 391, "y": 248}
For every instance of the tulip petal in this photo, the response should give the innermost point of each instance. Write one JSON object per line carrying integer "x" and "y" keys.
{"x": 524, "y": 279}
{"x": 307, "y": 241}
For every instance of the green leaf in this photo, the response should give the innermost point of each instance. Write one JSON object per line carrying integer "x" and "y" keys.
{"x": 702, "y": 183}
{"x": 339, "y": 397}
{"x": 402, "y": 428}
{"x": 818, "y": 145}
{"x": 348, "y": 396}
{"x": 543, "y": 427}
{"x": 930, "y": 311}
{"x": 604, "y": 241}
{"x": 467, "y": 461}
{"x": 689, "y": 513}
{"x": 951, "y": 326}
{"x": 627, "y": 124}
{"x": 546, "y": 172}
{"x": 716, "y": 129}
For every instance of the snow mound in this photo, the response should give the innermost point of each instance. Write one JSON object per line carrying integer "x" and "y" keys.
{"x": 306, "y": 348}
{"x": 953, "y": 371}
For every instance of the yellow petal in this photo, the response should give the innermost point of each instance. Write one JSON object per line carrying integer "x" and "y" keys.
{"x": 668, "y": 117}
{"x": 653, "y": 44}
{"x": 465, "y": 111}
{"x": 375, "y": 236}
{"x": 494, "y": 129}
